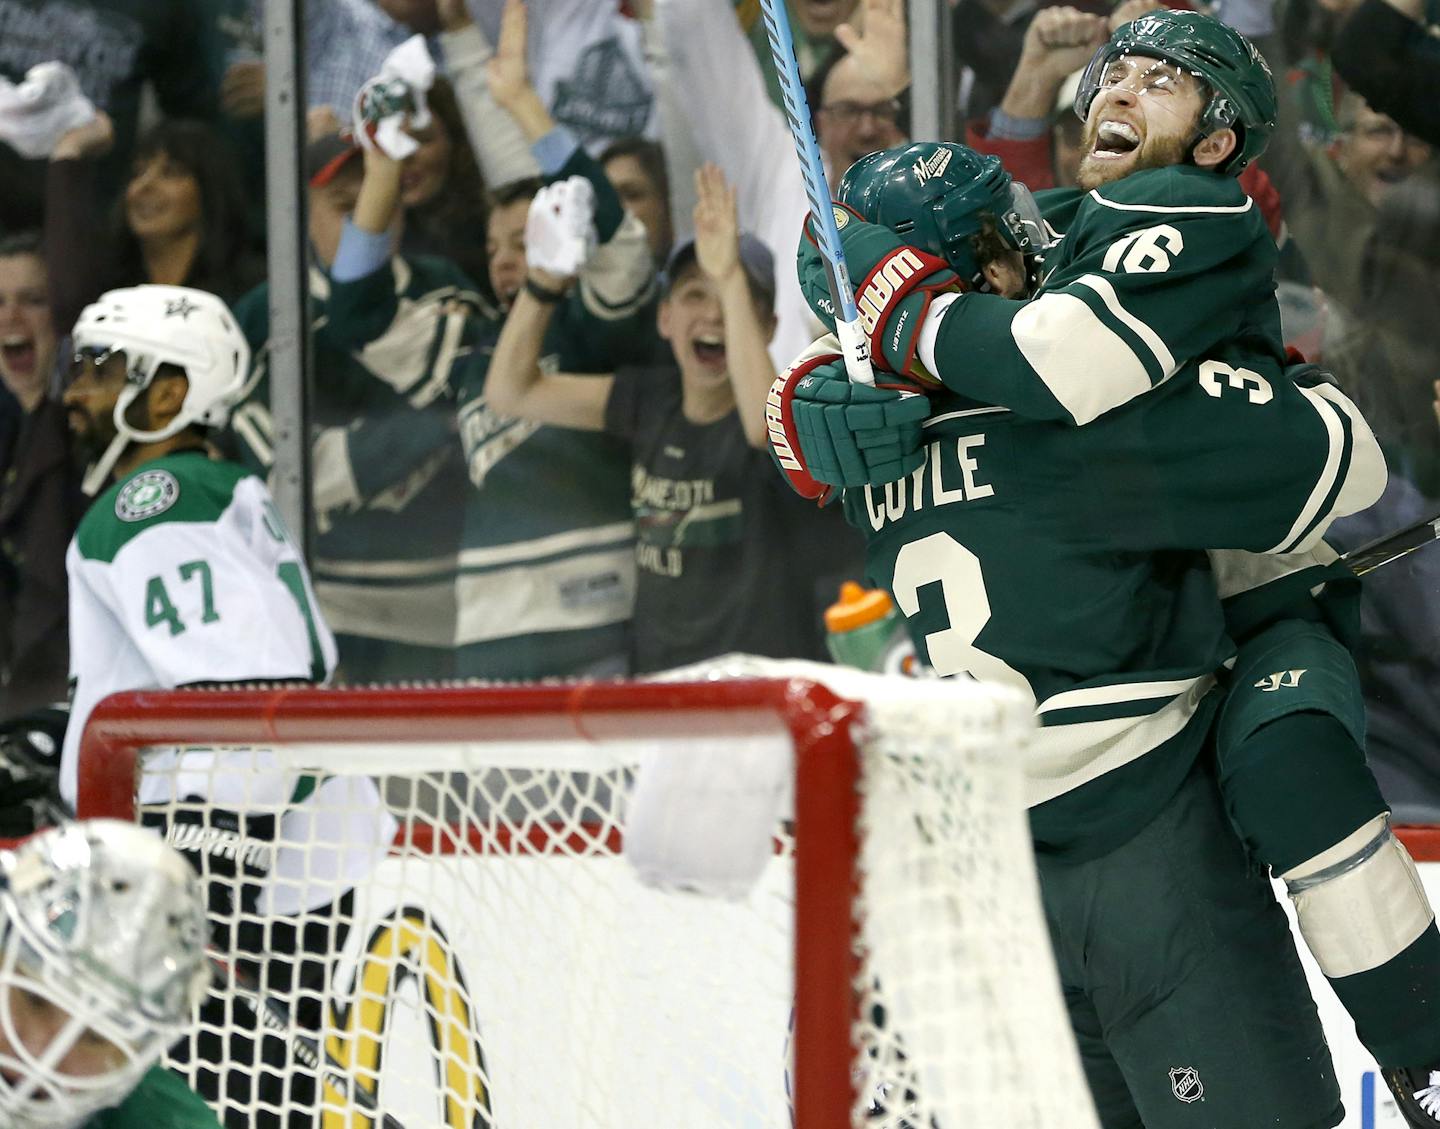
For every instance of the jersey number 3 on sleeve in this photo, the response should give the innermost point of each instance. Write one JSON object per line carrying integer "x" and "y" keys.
{"x": 939, "y": 557}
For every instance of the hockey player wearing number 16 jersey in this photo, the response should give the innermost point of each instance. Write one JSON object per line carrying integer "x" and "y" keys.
{"x": 1160, "y": 258}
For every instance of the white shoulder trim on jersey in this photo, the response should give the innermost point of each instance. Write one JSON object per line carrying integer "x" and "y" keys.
{"x": 1085, "y": 364}
{"x": 1120, "y": 692}
{"x": 1227, "y": 209}
{"x": 963, "y": 414}
{"x": 1060, "y": 758}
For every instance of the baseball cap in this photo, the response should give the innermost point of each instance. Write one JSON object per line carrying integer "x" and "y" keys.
{"x": 326, "y": 156}
{"x": 755, "y": 258}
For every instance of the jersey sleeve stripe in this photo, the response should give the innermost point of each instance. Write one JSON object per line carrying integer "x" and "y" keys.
{"x": 1327, "y": 481}
{"x": 1083, "y": 363}
{"x": 1152, "y": 340}
{"x": 1365, "y": 477}
{"x": 1221, "y": 209}
{"x": 1061, "y": 757}
{"x": 252, "y": 423}
{"x": 1088, "y": 696}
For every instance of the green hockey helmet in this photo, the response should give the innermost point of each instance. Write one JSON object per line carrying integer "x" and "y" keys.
{"x": 1242, "y": 92}
{"x": 936, "y": 195}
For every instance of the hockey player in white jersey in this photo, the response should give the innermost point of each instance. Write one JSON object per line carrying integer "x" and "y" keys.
{"x": 181, "y": 573}
{"x": 181, "y": 570}
{"x": 102, "y": 965}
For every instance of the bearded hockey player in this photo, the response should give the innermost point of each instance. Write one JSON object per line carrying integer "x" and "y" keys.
{"x": 181, "y": 573}
{"x": 102, "y": 965}
{"x": 1278, "y": 734}
{"x": 1290, "y": 735}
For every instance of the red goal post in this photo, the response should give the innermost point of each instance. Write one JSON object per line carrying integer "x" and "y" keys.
{"x": 875, "y": 1023}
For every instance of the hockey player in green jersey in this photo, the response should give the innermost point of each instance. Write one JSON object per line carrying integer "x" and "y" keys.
{"x": 1157, "y": 264}
{"x": 1290, "y": 730}
{"x": 1069, "y": 562}
{"x": 102, "y": 965}
{"x": 1294, "y": 714}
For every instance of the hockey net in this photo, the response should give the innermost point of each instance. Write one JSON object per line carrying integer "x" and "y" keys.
{"x": 475, "y": 951}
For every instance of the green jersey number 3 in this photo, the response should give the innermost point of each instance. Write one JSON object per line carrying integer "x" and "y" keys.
{"x": 939, "y": 557}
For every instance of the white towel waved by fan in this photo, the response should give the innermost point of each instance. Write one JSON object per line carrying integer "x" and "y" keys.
{"x": 396, "y": 93}
{"x": 560, "y": 227}
{"x": 36, "y": 112}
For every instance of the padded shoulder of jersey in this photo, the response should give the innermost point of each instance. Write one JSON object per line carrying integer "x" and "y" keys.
{"x": 186, "y": 487}
{"x": 1179, "y": 188}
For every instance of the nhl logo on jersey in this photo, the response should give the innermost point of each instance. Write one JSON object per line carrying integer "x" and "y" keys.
{"x": 146, "y": 495}
{"x": 1185, "y": 1084}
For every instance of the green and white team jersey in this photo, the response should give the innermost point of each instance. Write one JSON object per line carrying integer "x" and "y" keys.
{"x": 161, "y": 1101}
{"x": 1154, "y": 270}
{"x": 1070, "y": 562}
{"x": 182, "y": 573}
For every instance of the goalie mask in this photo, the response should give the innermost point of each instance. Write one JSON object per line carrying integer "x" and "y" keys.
{"x": 102, "y": 965}
{"x": 159, "y": 325}
{"x": 1242, "y": 92}
{"x": 938, "y": 195}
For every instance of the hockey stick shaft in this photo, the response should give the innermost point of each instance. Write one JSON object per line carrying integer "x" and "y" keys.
{"x": 273, "y": 1015}
{"x": 854, "y": 342}
{"x": 1367, "y": 558}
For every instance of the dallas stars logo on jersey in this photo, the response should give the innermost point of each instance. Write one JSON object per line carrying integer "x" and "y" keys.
{"x": 146, "y": 495}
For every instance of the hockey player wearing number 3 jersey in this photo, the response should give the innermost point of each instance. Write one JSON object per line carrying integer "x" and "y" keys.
{"x": 182, "y": 572}
{"x": 1162, "y": 278}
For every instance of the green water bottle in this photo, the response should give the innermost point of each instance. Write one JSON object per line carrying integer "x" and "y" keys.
{"x": 864, "y": 629}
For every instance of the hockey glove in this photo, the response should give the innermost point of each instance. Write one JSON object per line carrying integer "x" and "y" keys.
{"x": 826, "y": 432}
{"x": 894, "y": 286}
{"x": 30, "y": 772}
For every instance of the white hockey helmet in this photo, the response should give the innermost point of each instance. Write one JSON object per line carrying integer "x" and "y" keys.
{"x": 158, "y": 325}
{"x": 102, "y": 966}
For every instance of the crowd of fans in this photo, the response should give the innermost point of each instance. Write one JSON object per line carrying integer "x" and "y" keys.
{"x": 648, "y": 529}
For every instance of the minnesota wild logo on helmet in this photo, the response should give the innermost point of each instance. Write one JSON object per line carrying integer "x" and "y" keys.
{"x": 936, "y": 195}
{"x": 1242, "y": 92}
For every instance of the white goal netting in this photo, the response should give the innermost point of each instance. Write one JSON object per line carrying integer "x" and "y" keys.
{"x": 423, "y": 916}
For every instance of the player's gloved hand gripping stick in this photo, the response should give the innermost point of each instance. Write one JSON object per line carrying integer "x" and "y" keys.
{"x": 808, "y": 408}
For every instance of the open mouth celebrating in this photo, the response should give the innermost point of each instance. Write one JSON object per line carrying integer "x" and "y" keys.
{"x": 1114, "y": 140}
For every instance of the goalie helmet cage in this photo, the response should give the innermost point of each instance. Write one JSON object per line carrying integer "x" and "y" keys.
{"x": 498, "y": 963}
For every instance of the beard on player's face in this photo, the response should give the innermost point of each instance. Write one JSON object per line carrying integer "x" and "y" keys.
{"x": 1156, "y": 151}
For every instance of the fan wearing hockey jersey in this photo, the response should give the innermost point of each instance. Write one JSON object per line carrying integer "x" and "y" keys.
{"x": 1268, "y": 742}
{"x": 102, "y": 965}
{"x": 180, "y": 573}
{"x": 703, "y": 494}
